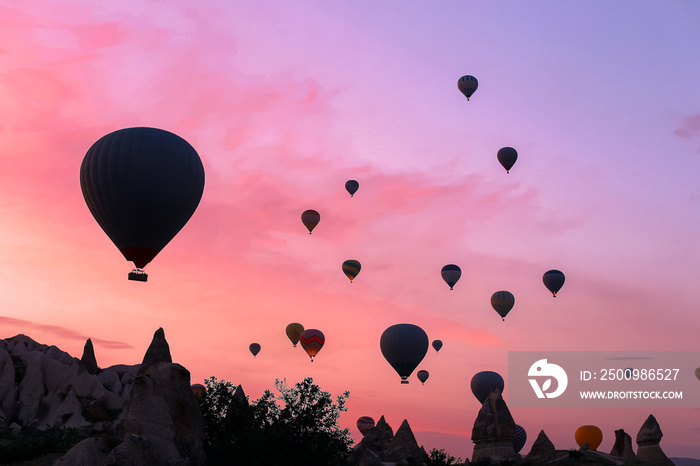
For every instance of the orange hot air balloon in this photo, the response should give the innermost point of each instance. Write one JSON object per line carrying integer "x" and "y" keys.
{"x": 310, "y": 219}
{"x": 351, "y": 268}
{"x": 591, "y": 435}
{"x": 294, "y": 331}
{"x": 198, "y": 389}
{"x": 312, "y": 341}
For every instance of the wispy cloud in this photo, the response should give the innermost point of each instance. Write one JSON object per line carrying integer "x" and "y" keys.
{"x": 60, "y": 332}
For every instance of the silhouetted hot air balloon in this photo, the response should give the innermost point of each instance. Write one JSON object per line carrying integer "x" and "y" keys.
{"x": 451, "y": 273}
{"x": 294, "y": 331}
{"x": 312, "y": 341}
{"x": 422, "y": 376}
{"x": 507, "y": 157}
{"x": 467, "y": 85}
{"x": 310, "y": 219}
{"x": 142, "y": 185}
{"x": 404, "y": 346}
{"x": 592, "y": 435}
{"x": 553, "y": 280}
{"x": 483, "y": 383}
{"x": 352, "y": 186}
{"x": 519, "y": 438}
{"x": 437, "y": 344}
{"x": 198, "y": 389}
{"x": 697, "y": 373}
{"x": 502, "y": 302}
{"x": 365, "y": 424}
{"x": 254, "y": 348}
{"x": 351, "y": 268}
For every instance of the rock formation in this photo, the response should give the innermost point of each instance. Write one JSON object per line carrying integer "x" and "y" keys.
{"x": 648, "y": 448}
{"x": 380, "y": 445}
{"x": 88, "y": 360}
{"x": 493, "y": 430}
{"x": 623, "y": 445}
{"x": 541, "y": 446}
{"x": 403, "y": 447}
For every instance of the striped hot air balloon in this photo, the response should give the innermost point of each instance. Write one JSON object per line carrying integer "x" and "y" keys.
{"x": 351, "y": 268}
{"x": 310, "y": 219}
{"x": 502, "y": 302}
{"x": 467, "y": 85}
{"x": 365, "y": 424}
{"x": 519, "y": 438}
{"x": 312, "y": 341}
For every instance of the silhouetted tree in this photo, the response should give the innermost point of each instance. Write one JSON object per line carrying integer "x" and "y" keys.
{"x": 297, "y": 427}
{"x": 442, "y": 458}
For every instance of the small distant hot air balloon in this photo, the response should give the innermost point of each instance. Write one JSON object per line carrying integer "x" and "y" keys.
{"x": 365, "y": 424}
{"x": 198, "y": 389}
{"x": 351, "y": 186}
{"x": 507, "y": 157}
{"x": 519, "y": 438}
{"x": 404, "y": 346}
{"x": 312, "y": 341}
{"x": 351, "y": 268}
{"x": 553, "y": 280}
{"x": 310, "y": 219}
{"x": 629, "y": 372}
{"x": 697, "y": 373}
{"x": 451, "y": 273}
{"x": 467, "y": 85}
{"x": 422, "y": 376}
{"x": 142, "y": 185}
{"x": 483, "y": 383}
{"x": 294, "y": 331}
{"x": 437, "y": 344}
{"x": 502, "y": 302}
{"x": 592, "y": 435}
{"x": 254, "y": 348}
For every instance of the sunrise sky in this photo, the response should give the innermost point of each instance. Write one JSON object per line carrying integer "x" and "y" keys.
{"x": 285, "y": 101}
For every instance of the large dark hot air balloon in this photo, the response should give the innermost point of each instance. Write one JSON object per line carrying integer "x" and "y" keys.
{"x": 423, "y": 376}
{"x": 483, "y": 383}
{"x": 507, "y": 157}
{"x": 404, "y": 346}
{"x": 467, "y": 85}
{"x": 312, "y": 341}
{"x": 437, "y": 345}
{"x": 519, "y": 438}
{"x": 351, "y": 186}
{"x": 502, "y": 302}
{"x": 365, "y": 424}
{"x": 294, "y": 331}
{"x": 351, "y": 268}
{"x": 254, "y": 348}
{"x": 310, "y": 219}
{"x": 451, "y": 274}
{"x": 142, "y": 185}
{"x": 553, "y": 280}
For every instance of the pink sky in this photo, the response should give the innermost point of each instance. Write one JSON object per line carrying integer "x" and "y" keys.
{"x": 284, "y": 103}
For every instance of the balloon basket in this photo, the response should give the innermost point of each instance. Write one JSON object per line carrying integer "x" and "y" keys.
{"x": 404, "y": 381}
{"x": 138, "y": 275}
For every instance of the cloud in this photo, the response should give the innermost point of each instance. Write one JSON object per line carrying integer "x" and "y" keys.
{"x": 61, "y": 332}
{"x": 690, "y": 127}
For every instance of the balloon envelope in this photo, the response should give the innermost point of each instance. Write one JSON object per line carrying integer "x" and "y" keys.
{"x": 254, "y": 348}
{"x": 437, "y": 344}
{"x": 502, "y": 302}
{"x": 142, "y": 185}
{"x": 467, "y": 85}
{"x": 591, "y": 435}
{"x": 553, "y": 280}
{"x": 697, "y": 373}
{"x": 351, "y": 186}
{"x": 312, "y": 341}
{"x": 310, "y": 219}
{"x": 483, "y": 383}
{"x": 365, "y": 424}
{"x": 294, "y": 331}
{"x": 198, "y": 389}
{"x": 404, "y": 346}
{"x": 507, "y": 157}
{"x": 451, "y": 274}
{"x": 423, "y": 376}
{"x": 351, "y": 268}
{"x": 519, "y": 438}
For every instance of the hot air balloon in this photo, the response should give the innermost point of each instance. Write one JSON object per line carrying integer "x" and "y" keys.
{"x": 352, "y": 186}
{"x": 467, "y": 85}
{"x": 553, "y": 280}
{"x": 198, "y": 389}
{"x": 404, "y": 346}
{"x": 451, "y": 273}
{"x": 437, "y": 344}
{"x": 254, "y": 348}
{"x": 697, "y": 373}
{"x": 591, "y": 435}
{"x": 519, "y": 438}
{"x": 294, "y": 331}
{"x": 502, "y": 302}
{"x": 483, "y": 383}
{"x": 365, "y": 424}
{"x": 312, "y": 341}
{"x": 629, "y": 372}
{"x": 142, "y": 185}
{"x": 310, "y": 219}
{"x": 351, "y": 268}
{"x": 422, "y": 376}
{"x": 507, "y": 157}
